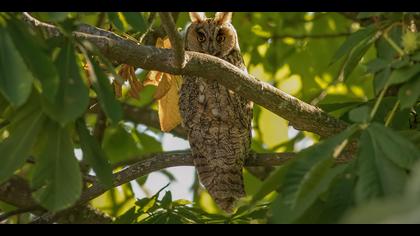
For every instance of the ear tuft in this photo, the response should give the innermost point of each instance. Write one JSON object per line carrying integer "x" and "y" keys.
{"x": 223, "y": 17}
{"x": 197, "y": 16}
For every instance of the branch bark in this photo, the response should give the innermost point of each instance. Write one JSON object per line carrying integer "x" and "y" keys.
{"x": 175, "y": 38}
{"x": 301, "y": 115}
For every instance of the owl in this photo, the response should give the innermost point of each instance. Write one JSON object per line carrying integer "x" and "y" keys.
{"x": 217, "y": 120}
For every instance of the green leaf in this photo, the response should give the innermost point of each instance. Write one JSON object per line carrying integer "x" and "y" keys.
{"x": 72, "y": 95}
{"x": 380, "y": 80}
{"x": 166, "y": 200}
{"x": 128, "y": 217}
{"x": 363, "y": 15}
{"x": 116, "y": 21}
{"x": 149, "y": 143}
{"x": 31, "y": 48}
{"x": 94, "y": 155}
{"x": 395, "y": 147}
{"x": 15, "y": 77}
{"x": 103, "y": 88}
{"x": 56, "y": 176}
{"x": 416, "y": 56}
{"x": 119, "y": 145}
{"x": 360, "y": 114}
{"x": 409, "y": 93}
{"x": 317, "y": 182}
{"x": 378, "y": 176}
{"x": 404, "y": 74}
{"x": 15, "y": 149}
{"x": 353, "y": 41}
{"x": 377, "y": 65}
{"x": 354, "y": 58}
{"x": 273, "y": 182}
{"x": 136, "y": 20}
{"x": 307, "y": 160}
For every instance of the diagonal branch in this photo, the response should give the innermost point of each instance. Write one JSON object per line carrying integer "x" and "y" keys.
{"x": 301, "y": 115}
{"x": 175, "y": 38}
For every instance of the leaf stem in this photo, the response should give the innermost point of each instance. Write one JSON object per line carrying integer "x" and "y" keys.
{"x": 392, "y": 114}
{"x": 394, "y": 45}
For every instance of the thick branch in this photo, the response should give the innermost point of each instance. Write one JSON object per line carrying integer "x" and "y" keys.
{"x": 174, "y": 37}
{"x": 301, "y": 115}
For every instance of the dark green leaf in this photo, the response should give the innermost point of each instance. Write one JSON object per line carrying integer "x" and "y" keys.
{"x": 380, "y": 80}
{"x": 72, "y": 95}
{"x": 166, "y": 200}
{"x": 118, "y": 144}
{"x": 377, "y": 65}
{"x": 128, "y": 217}
{"x": 395, "y": 147}
{"x": 353, "y": 41}
{"x": 103, "y": 88}
{"x": 31, "y": 48}
{"x": 409, "y": 93}
{"x": 136, "y": 20}
{"x": 116, "y": 21}
{"x": 378, "y": 176}
{"x": 94, "y": 155}
{"x": 56, "y": 176}
{"x": 15, "y": 149}
{"x": 363, "y": 15}
{"x": 149, "y": 144}
{"x": 404, "y": 74}
{"x": 15, "y": 77}
{"x": 360, "y": 114}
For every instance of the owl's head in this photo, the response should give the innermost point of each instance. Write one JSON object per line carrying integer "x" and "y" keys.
{"x": 215, "y": 36}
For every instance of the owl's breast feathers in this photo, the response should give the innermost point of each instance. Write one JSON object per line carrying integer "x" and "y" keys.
{"x": 218, "y": 123}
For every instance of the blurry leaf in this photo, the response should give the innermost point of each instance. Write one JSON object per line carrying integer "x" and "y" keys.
{"x": 354, "y": 58}
{"x": 409, "y": 93}
{"x": 169, "y": 115}
{"x": 413, "y": 136}
{"x": 409, "y": 41}
{"x": 404, "y": 74}
{"x": 395, "y": 147}
{"x": 149, "y": 144}
{"x": 380, "y": 80}
{"x": 360, "y": 114}
{"x": 103, "y": 88}
{"x": 25, "y": 126}
{"x": 56, "y": 176}
{"x": 94, "y": 155}
{"x": 416, "y": 56}
{"x": 377, "y": 65}
{"x": 136, "y": 20}
{"x": 57, "y": 16}
{"x": 273, "y": 182}
{"x": 363, "y": 15}
{"x": 31, "y": 49}
{"x": 166, "y": 200}
{"x": 378, "y": 176}
{"x": 118, "y": 144}
{"x": 72, "y": 95}
{"x": 15, "y": 77}
{"x": 128, "y": 217}
{"x": 307, "y": 161}
{"x": 353, "y": 41}
{"x": 116, "y": 21}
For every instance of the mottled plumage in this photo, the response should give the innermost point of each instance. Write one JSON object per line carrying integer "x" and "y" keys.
{"x": 217, "y": 120}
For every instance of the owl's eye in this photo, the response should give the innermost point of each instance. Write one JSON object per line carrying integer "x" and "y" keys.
{"x": 201, "y": 37}
{"x": 220, "y": 38}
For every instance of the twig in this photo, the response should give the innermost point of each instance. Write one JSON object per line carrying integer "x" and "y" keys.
{"x": 174, "y": 37}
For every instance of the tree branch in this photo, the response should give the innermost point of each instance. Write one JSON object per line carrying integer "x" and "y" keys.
{"x": 175, "y": 38}
{"x": 155, "y": 162}
{"x": 301, "y": 115}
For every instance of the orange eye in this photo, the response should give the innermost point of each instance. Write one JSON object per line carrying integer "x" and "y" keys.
{"x": 201, "y": 37}
{"x": 220, "y": 38}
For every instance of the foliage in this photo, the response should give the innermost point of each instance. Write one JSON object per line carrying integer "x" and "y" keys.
{"x": 62, "y": 117}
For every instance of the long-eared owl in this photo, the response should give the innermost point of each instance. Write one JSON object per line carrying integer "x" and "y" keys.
{"x": 217, "y": 120}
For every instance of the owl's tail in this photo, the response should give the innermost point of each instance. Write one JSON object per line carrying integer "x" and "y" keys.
{"x": 222, "y": 178}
